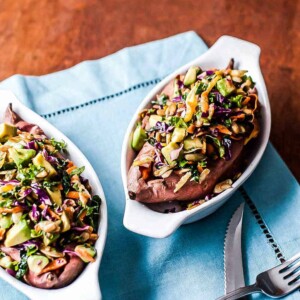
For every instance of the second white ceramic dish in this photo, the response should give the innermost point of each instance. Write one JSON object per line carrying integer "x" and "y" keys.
{"x": 86, "y": 286}
{"x": 141, "y": 219}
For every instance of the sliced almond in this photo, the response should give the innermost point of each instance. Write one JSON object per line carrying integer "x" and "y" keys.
{"x": 222, "y": 186}
{"x": 203, "y": 175}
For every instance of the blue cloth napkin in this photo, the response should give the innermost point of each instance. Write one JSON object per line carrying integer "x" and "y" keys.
{"x": 92, "y": 104}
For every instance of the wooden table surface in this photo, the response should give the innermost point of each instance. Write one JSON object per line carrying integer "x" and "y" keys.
{"x": 41, "y": 36}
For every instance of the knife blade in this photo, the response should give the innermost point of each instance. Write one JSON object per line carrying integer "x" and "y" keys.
{"x": 233, "y": 262}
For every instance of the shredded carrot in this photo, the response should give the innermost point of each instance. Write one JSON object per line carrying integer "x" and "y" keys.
{"x": 236, "y": 138}
{"x": 50, "y": 211}
{"x": 82, "y": 215}
{"x": 254, "y": 132}
{"x": 70, "y": 164}
{"x": 245, "y": 102}
{"x": 69, "y": 170}
{"x": 54, "y": 265}
{"x": 199, "y": 168}
{"x": 241, "y": 116}
{"x": 191, "y": 129}
{"x": 73, "y": 195}
{"x": 93, "y": 237}
{"x": 145, "y": 173}
{"x": 2, "y": 233}
{"x": 60, "y": 187}
{"x": 11, "y": 210}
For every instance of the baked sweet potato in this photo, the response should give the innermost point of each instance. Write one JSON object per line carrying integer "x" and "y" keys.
{"x": 51, "y": 280}
{"x": 161, "y": 190}
{"x": 193, "y": 136}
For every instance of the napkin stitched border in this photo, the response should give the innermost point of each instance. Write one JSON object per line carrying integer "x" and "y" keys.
{"x": 91, "y": 102}
{"x": 266, "y": 231}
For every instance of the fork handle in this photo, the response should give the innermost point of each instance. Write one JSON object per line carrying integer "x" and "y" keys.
{"x": 244, "y": 291}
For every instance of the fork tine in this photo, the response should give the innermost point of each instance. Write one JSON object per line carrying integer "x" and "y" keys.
{"x": 294, "y": 277}
{"x": 288, "y": 262}
{"x": 291, "y": 270}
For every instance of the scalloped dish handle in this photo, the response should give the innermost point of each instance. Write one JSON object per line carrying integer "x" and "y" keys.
{"x": 142, "y": 220}
{"x": 232, "y": 47}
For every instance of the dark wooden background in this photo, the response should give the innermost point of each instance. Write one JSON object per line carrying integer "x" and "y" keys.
{"x": 41, "y": 36}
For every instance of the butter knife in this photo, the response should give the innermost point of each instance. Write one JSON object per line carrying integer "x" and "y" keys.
{"x": 233, "y": 262}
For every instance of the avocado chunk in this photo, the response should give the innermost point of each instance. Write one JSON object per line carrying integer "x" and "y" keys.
{"x": 166, "y": 151}
{"x": 138, "y": 139}
{"x": 225, "y": 87}
{"x": 154, "y": 119}
{"x": 36, "y": 263}
{"x": 51, "y": 251}
{"x": 21, "y": 157}
{"x": 55, "y": 195}
{"x": 5, "y": 221}
{"x": 40, "y": 161}
{"x": 18, "y": 234}
{"x": 191, "y": 75}
{"x": 49, "y": 238}
{"x": 7, "y": 131}
{"x": 190, "y": 144}
{"x": 85, "y": 253}
{"x": 6, "y": 262}
{"x": 178, "y": 135}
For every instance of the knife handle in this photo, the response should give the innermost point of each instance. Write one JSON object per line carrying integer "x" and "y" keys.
{"x": 244, "y": 291}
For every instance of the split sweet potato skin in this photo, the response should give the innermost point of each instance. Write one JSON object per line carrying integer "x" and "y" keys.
{"x": 162, "y": 190}
{"x": 50, "y": 280}
{"x": 13, "y": 118}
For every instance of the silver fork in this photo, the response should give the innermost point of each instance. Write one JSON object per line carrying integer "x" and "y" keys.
{"x": 276, "y": 282}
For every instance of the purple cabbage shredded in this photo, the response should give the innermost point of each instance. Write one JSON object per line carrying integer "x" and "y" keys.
{"x": 252, "y": 91}
{"x": 13, "y": 181}
{"x": 215, "y": 132}
{"x": 21, "y": 204}
{"x": 210, "y": 72}
{"x": 45, "y": 212}
{"x": 227, "y": 145}
{"x": 35, "y": 213}
{"x": 70, "y": 252}
{"x": 32, "y": 243}
{"x": 80, "y": 228}
{"x": 222, "y": 112}
{"x": 204, "y": 115}
{"x": 59, "y": 210}
{"x": 158, "y": 145}
{"x": 25, "y": 193}
{"x": 49, "y": 158}
{"x": 219, "y": 97}
{"x": 31, "y": 145}
{"x": 159, "y": 164}
{"x": 208, "y": 197}
{"x": 180, "y": 84}
{"x": 177, "y": 99}
{"x": 41, "y": 193}
{"x": 201, "y": 76}
{"x": 164, "y": 127}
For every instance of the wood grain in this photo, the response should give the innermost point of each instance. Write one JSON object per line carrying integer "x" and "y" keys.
{"x": 41, "y": 36}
